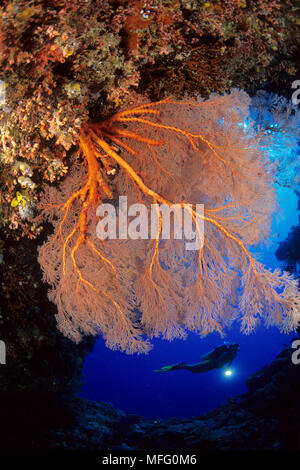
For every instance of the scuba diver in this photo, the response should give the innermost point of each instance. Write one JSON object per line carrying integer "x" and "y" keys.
{"x": 219, "y": 357}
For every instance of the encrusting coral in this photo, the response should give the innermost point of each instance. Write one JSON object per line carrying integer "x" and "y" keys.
{"x": 168, "y": 152}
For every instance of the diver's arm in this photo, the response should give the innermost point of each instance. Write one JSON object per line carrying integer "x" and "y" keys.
{"x": 214, "y": 354}
{"x": 224, "y": 360}
{"x": 203, "y": 366}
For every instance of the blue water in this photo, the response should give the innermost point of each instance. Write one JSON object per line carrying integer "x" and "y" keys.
{"x": 131, "y": 385}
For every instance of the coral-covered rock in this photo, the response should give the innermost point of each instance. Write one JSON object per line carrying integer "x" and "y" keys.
{"x": 266, "y": 417}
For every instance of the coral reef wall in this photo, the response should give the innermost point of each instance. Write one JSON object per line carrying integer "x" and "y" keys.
{"x": 62, "y": 64}
{"x": 264, "y": 418}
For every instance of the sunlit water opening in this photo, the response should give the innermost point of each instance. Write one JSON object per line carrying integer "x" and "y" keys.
{"x": 130, "y": 383}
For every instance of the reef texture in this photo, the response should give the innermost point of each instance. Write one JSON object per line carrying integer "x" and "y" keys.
{"x": 266, "y": 417}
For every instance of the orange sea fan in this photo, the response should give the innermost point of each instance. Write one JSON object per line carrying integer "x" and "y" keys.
{"x": 131, "y": 290}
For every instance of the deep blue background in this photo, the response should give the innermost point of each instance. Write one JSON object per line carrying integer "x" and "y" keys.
{"x": 131, "y": 385}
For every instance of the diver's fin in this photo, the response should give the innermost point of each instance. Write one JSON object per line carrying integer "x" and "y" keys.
{"x": 171, "y": 367}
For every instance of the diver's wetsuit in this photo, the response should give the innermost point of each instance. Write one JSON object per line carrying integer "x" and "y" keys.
{"x": 215, "y": 359}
